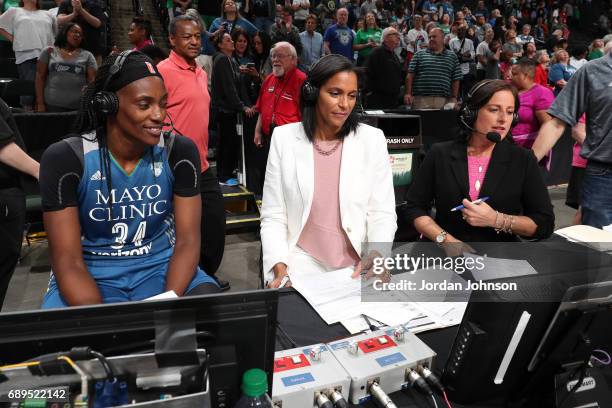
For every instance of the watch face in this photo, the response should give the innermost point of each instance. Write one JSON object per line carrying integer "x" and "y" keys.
{"x": 440, "y": 238}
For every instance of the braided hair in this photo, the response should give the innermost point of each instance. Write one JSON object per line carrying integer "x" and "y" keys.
{"x": 89, "y": 120}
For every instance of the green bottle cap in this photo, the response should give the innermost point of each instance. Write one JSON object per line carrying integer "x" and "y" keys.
{"x": 254, "y": 382}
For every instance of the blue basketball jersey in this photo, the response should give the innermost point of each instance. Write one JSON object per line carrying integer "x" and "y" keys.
{"x": 127, "y": 233}
{"x": 139, "y": 225}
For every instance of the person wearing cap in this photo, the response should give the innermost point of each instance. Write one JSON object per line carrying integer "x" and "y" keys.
{"x": 384, "y": 72}
{"x": 121, "y": 202}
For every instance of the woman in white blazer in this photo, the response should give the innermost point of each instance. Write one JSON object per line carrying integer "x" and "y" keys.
{"x": 328, "y": 186}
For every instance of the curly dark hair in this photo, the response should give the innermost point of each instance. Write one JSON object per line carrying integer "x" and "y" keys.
{"x": 61, "y": 39}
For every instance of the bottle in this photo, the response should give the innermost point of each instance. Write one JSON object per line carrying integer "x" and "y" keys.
{"x": 254, "y": 387}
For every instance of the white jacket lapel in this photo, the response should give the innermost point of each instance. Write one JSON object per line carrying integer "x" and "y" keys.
{"x": 347, "y": 170}
{"x": 304, "y": 167}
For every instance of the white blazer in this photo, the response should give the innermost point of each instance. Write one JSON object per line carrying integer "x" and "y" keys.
{"x": 367, "y": 199}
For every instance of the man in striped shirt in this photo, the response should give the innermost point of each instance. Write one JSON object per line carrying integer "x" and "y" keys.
{"x": 433, "y": 76}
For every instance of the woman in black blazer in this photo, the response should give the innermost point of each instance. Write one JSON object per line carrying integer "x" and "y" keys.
{"x": 518, "y": 203}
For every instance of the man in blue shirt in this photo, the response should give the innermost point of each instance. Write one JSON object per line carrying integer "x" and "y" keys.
{"x": 312, "y": 43}
{"x": 339, "y": 37}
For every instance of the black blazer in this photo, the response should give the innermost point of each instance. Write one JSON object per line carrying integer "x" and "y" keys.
{"x": 513, "y": 181}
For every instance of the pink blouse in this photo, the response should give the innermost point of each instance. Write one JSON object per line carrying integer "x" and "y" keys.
{"x": 323, "y": 237}
{"x": 535, "y": 99}
{"x": 477, "y": 169}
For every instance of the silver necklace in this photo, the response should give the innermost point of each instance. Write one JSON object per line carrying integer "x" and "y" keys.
{"x": 326, "y": 152}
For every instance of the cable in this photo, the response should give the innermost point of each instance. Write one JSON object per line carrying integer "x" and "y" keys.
{"x": 605, "y": 362}
{"x": 431, "y": 379}
{"x": 380, "y": 396}
{"x": 446, "y": 400}
{"x": 27, "y": 364}
{"x": 433, "y": 398}
{"x": 418, "y": 382}
{"x": 84, "y": 378}
{"x": 110, "y": 374}
{"x": 323, "y": 402}
{"x": 369, "y": 323}
{"x": 338, "y": 399}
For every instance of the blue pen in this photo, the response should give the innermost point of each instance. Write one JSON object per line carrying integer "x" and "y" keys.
{"x": 461, "y": 207}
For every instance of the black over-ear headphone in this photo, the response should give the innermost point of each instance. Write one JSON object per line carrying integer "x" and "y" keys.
{"x": 105, "y": 102}
{"x": 309, "y": 91}
{"x": 469, "y": 113}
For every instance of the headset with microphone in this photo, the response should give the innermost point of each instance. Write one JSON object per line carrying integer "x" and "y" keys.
{"x": 469, "y": 113}
{"x": 171, "y": 124}
{"x": 105, "y": 102}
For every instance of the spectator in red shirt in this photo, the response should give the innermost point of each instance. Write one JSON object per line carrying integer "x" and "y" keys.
{"x": 541, "y": 75}
{"x": 188, "y": 109}
{"x": 279, "y": 98}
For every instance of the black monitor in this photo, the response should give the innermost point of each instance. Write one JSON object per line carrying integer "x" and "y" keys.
{"x": 237, "y": 330}
{"x": 510, "y": 349}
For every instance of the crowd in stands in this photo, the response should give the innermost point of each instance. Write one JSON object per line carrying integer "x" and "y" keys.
{"x": 238, "y": 68}
{"x": 420, "y": 53}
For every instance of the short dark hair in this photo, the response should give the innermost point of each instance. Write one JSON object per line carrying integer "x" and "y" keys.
{"x": 527, "y": 66}
{"x": 312, "y": 17}
{"x": 239, "y": 31}
{"x": 579, "y": 50}
{"x": 217, "y": 38}
{"x": 61, "y": 39}
{"x": 143, "y": 24}
{"x": 179, "y": 19}
{"x": 319, "y": 74}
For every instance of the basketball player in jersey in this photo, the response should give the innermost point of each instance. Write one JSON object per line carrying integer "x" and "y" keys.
{"x": 121, "y": 199}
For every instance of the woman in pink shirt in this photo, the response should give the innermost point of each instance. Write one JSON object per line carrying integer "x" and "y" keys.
{"x": 535, "y": 101}
{"x": 328, "y": 185}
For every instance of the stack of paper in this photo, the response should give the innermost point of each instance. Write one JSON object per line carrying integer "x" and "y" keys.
{"x": 599, "y": 239}
{"x": 584, "y": 233}
{"x": 336, "y": 297}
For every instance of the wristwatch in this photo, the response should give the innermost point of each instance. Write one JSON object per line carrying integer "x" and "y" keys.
{"x": 441, "y": 237}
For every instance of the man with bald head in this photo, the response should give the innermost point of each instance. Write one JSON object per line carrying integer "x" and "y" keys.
{"x": 433, "y": 75}
{"x": 338, "y": 38}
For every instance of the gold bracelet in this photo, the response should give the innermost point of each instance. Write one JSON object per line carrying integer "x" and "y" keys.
{"x": 511, "y": 224}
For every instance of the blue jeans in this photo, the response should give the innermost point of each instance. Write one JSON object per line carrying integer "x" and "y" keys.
{"x": 596, "y": 199}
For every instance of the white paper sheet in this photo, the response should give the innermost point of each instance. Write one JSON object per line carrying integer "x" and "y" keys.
{"x": 584, "y": 233}
{"x": 166, "y": 295}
